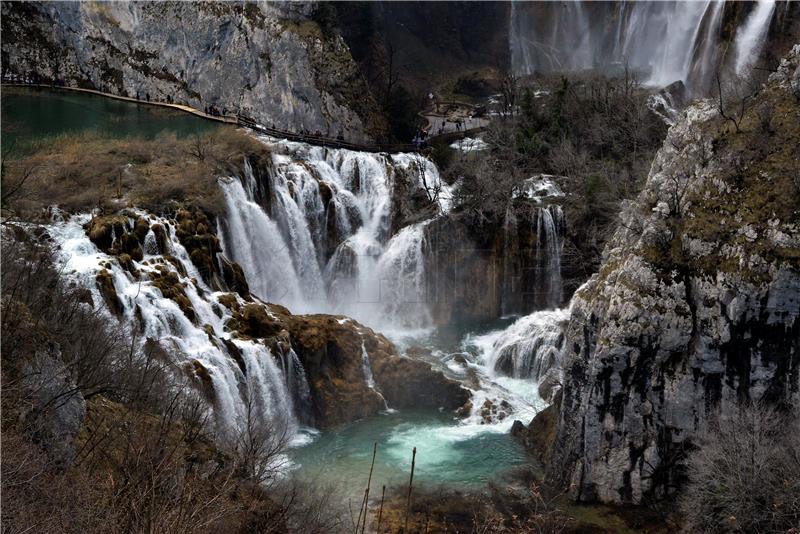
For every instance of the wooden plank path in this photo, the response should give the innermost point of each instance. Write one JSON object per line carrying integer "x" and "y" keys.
{"x": 240, "y": 120}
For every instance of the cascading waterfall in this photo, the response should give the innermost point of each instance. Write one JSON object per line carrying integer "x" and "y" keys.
{"x": 550, "y": 237}
{"x": 259, "y": 247}
{"x": 540, "y": 282}
{"x": 667, "y": 41}
{"x": 366, "y": 368}
{"x": 750, "y": 37}
{"x": 321, "y": 242}
{"x": 261, "y": 388}
{"x": 297, "y": 383}
{"x": 528, "y": 348}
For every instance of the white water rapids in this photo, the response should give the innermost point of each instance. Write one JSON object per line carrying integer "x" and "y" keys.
{"x": 314, "y": 233}
{"x": 321, "y": 241}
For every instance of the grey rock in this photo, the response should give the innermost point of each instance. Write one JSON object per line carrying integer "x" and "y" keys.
{"x": 656, "y": 347}
{"x": 266, "y": 59}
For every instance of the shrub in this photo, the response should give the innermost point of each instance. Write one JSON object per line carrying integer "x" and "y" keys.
{"x": 745, "y": 474}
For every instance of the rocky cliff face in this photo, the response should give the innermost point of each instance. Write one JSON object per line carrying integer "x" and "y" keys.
{"x": 266, "y": 59}
{"x": 697, "y": 304}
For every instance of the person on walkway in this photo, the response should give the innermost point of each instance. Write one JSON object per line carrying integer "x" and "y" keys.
{"x": 147, "y": 95}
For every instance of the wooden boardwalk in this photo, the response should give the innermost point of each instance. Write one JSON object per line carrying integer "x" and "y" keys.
{"x": 317, "y": 140}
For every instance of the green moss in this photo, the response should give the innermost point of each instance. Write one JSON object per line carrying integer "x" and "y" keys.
{"x": 105, "y": 283}
{"x": 172, "y": 288}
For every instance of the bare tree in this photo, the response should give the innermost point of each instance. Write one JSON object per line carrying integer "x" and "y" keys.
{"x": 510, "y": 93}
{"x": 735, "y": 97}
{"x": 258, "y": 444}
{"x": 745, "y": 474}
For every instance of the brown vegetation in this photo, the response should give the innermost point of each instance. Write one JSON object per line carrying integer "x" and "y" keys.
{"x": 745, "y": 474}
{"x": 103, "y": 433}
{"x": 86, "y": 171}
{"x": 596, "y": 134}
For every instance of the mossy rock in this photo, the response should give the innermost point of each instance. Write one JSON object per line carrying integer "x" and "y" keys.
{"x": 256, "y": 322}
{"x": 102, "y": 229}
{"x": 204, "y": 263}
{"x": 128, "y": 244}
{"x": 141, "y": 228}
{"x": 162, "y": 239}
{"x": 234, "y": 277}
{"x": 232, "y": 324}
{"x": 105, "y": 283}
{"x": 325, "y": 192}
{"x": 202, "y": 375}
{"x": 126, "y": 262}
{"x": 172, "y": 288}
{"x": 230, "y": 301}
{"x": 236, "y": 354}
{"x": 175, "y": 262}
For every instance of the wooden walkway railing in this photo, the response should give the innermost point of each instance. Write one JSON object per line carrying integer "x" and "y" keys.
{"x": 317, "y": 140}
{"x": 321, "y": 140}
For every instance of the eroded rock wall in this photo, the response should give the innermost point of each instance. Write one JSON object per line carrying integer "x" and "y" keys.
{"x": 696, "y": 306}
{"x": 267, "y": 59}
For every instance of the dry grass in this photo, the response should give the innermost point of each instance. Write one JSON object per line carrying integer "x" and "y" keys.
{"x": 86, "y": 171}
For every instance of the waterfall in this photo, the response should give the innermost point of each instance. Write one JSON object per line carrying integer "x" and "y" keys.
{"x": 320, "y": 242}
{"x": 401, "y": 272}
{"x": 550, "y": 232}
{"x": 297, "y": 383}
{"x": 529, "y": 348}
{"x": 253, "y": 240}
{"x": 254, "y": 386}
{"x": 535, "y": 285}
{"x": 666, "y": 41}
{"x": 750, "y": 37}
{"x": 366, "y": 368}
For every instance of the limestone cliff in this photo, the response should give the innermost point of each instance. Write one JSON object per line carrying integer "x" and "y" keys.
{"x": 268, "y": 60}
{"x": 697, "y": 304}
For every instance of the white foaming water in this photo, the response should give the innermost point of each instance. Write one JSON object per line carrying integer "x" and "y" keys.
{"x": 668, "y": 41}
{"x": 549, "y": 241}
{"x": 750, "y": 37}
{"x": 192, "y": 342}
{"x": 321, "y": 242}
{"x": 542, "y": 278}
{"x": 366, "y": 367}
{"x": 526, "y": 349}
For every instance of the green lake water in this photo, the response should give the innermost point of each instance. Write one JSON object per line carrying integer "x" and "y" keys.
{"x": 32, "y": 114}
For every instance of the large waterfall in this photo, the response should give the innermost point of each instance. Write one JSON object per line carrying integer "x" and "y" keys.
{"x": 667, "y": 41}
{"x": 752, "y": 35}
{"x": 320, "y": 231}
{"x": 319, "y": 241}
{"x": 275, "y": 384}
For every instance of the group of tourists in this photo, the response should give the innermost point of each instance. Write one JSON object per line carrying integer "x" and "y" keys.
{"x": 214, "y": 111}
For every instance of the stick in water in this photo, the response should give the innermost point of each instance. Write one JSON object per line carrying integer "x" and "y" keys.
{"x": 365, "y": 503}
{"x": 410, "y": 482}
{"x": 380, "y": 510}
